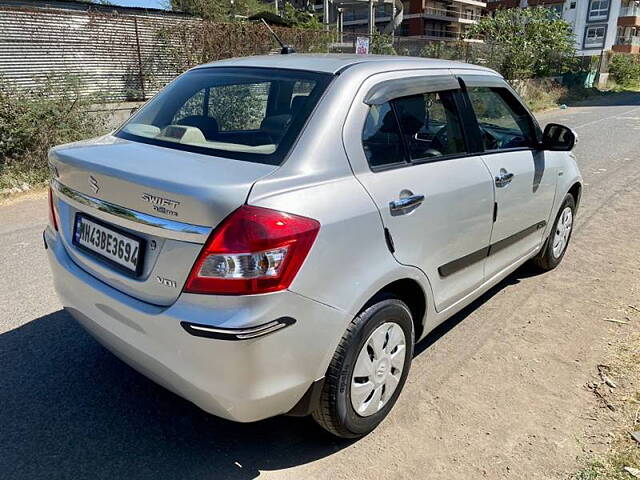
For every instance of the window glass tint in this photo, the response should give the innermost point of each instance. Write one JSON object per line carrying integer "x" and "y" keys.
{"x": 242, "y": 113}
{"x": 430, "y": 125}
{"x": 503, "y": 121}
{"x": 301, "y": 91}
{"x": 239, "y": 107}
{"x": 381, "y": 137}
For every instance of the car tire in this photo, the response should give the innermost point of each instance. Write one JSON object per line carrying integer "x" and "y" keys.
{"x": 557, "y": 242}
{"x": 372, "y": 344}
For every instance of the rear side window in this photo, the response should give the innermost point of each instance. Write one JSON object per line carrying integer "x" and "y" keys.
{"x": 430, "y": 125}
{"x": 414, "y": 128}
{"x": 504, "y": 123}
{"x": 381, "y": 137}
{"x": 251, "y": 114}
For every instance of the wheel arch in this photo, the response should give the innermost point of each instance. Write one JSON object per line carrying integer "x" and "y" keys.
{"x": 576, "y": 192}
{"x": 412, "y": 294}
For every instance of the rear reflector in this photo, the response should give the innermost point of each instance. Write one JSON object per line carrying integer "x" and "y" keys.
{"x": 254, "y": 250}
{"x": 53, "y": 220}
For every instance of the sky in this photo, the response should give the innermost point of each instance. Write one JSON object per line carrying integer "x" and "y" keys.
{"x": 141, "y": 3}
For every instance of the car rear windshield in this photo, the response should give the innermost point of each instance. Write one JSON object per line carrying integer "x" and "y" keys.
{"x": 251, "y": 114}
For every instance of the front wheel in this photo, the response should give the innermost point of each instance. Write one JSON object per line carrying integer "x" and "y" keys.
{"x": 556, "y": 245}
{"x": 368, "y": 370}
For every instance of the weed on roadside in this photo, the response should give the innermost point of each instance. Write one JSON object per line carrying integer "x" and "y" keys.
{"x": 31, "y": 122}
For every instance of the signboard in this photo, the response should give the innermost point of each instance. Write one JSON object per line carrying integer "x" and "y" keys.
{"x": 362, "y": 46}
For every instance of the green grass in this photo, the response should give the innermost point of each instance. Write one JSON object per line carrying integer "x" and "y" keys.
{"x": 552, "y": 96}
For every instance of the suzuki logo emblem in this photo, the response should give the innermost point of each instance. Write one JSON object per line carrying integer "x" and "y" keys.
{"x": 93, "y": 183}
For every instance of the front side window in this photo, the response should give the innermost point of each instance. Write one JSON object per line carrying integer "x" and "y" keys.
{"x": 504, "y": 123}
{"x": 430, "y": 125}
{"x": 594, "y": 36}
{"x": 251, "y": 114}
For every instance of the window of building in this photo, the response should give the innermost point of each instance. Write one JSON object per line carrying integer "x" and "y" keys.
{"x": 598, "y": 10}
{"x": 572, "y": 5}
{"x": 594, "y": 36}
{"x": 557, "y": 8}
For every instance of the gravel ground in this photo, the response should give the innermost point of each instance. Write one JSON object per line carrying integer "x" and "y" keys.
{"x": 497, "y": 392}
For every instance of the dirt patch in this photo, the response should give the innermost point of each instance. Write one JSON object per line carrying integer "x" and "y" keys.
{"x": 612, "y": 451}
{"x": 34, "y": 194}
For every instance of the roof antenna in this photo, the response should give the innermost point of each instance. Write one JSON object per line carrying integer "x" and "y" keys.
{"x": 285, "y": 48}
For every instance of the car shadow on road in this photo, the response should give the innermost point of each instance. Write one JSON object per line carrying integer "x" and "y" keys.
{"x": 441, "y": 330}
{"x": 70, "y": 409}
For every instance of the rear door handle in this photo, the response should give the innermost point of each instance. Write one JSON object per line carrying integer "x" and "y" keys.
{"x": 405, "y": 205}
{"x": 504, "y": 178}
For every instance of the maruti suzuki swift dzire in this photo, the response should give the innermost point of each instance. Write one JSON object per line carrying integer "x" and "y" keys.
{"x": 272, "y": 235}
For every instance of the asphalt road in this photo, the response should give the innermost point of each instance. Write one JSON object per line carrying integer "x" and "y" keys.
{"x": 496, "y": 392}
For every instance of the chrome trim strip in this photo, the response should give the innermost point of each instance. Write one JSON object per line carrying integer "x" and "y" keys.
{"x": 240, "y": 331}
{"x": 200, "y": 330}
{"x": 133, "y": 219}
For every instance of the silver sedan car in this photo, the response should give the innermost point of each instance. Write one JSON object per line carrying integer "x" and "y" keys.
{"x": 272, "y": 235}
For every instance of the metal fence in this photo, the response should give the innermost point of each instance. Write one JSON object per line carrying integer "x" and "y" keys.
{"x": 110, "y": 53}
{"x": 119, "y": 57}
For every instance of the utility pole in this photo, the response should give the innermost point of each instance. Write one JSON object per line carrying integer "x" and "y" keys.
{"x": 276, "y": 5}
{"x": 325, "y": 14}
{"x": 372, "y": 18}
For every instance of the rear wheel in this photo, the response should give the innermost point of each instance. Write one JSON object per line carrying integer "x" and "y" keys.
{"x": 556, "y": 245}
{"x": 368, "y": 370}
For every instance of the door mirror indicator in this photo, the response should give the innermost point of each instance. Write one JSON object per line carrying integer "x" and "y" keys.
{"x": 558, "y": 138}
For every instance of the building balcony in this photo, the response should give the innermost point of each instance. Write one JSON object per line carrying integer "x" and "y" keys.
{"x": 451, "y": 15}
{"x": 444, "y": 36}
{"x": 629, "y": 17}
{"x": 474, "y": 3}
{"x": 542, "y": 3}
{"x": 627, "y": 45}
{"x": 365, "y": 21}
{"x": 495, "y": 4}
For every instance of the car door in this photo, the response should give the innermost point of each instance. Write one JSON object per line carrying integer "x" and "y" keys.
{"x": 524, "y": 185}
{"x": 407, "y": 147}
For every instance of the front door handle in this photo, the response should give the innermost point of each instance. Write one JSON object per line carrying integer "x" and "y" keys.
{"x": 504, "y": 178}
{"x": 405, "y": 205}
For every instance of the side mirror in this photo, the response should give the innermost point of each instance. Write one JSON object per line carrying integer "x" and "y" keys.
{"x": 558, "y": 138}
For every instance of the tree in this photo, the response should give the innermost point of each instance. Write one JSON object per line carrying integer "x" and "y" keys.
{"x": 523, "y": 43}
{"x": 218, "y": 10}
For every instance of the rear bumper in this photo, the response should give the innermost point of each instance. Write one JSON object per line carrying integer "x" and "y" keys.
{"x": 242, "y": 379}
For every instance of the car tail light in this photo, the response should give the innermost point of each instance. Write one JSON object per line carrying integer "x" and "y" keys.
{"x": 53, "y": 219}
{"x": 254, "y": 250}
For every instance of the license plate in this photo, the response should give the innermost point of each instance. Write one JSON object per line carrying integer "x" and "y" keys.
{"x": 120, "y": 249}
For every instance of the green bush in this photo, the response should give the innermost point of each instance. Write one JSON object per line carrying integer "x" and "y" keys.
{"x": 625, "y": 69}
{"x": 32, "y": 122}
{"x": 382, "y": 44}
{"x": 460, "y": 51}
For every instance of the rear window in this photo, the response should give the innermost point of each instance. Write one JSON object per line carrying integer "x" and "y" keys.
{"x": 251, "y": 114}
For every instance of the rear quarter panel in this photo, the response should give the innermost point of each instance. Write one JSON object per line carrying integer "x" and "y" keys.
{"x": 568, "y": 175}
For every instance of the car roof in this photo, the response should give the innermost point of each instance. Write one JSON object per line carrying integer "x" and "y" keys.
{"x": 333, "y": 63}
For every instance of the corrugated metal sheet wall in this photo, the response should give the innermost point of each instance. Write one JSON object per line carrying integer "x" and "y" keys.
{"x": 101, "y": 49}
